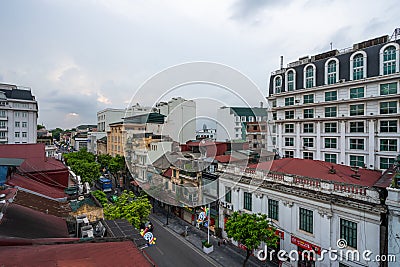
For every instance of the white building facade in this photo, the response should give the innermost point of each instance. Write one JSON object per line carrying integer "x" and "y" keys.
{"x": 309, "y": 213}
{"x": 180, "y": 121}
{"x": 232, "y": 121}
{"x": 339, "y": 106}
{"x": 18, "y": 115}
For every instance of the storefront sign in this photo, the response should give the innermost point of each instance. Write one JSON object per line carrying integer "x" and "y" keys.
{"x": 280, "y": 233}
{"x": 305, "y": 245}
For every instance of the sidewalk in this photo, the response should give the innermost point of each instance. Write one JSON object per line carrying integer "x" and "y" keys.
{"x": 226, "y": 255}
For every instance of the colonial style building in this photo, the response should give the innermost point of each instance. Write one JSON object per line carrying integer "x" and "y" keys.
{"x": 313, "y": 204}
{"x": 18, "y": 115}
{"x": 341, "y": 106}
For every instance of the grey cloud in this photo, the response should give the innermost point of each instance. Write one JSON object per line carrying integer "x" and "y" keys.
{"x": 243, "y": 9}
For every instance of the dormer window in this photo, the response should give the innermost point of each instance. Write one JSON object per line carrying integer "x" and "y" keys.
{"x": 309, "y": 76}
{"x": 332, "y": 71}
{"x": 358, "y": 65}
{"x": 290, "y": 80}
{"x": 278, "y": 84}
{"x": 389, "y": 55}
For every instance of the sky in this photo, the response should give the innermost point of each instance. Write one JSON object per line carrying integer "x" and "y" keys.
{"x": 79, "y": 57}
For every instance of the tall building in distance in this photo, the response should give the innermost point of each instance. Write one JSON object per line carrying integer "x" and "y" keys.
{"x": 18, "y": 115}
{"x": 341, "y": 106}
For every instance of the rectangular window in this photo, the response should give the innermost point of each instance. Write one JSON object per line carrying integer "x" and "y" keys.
{"x": 289, "y": 154}
{"x": 356, "y": 92}
{"x": 228, "y": 194}
{"x": 386, "y": 163}
{"x": 24, "y": 124}
{"x": 357, "y": 144}
{"x": 24, "y": 134}
{"x": 24, "y": 114}
{"x": 308, "y": 142}
{"x": 357, "y": 161}
{"x": 330, "y": 127}
{"x": 17, "y": 124}
{"x": 247, "y": 201}
{"x": 308, "y": 127}
{"x": 332, "y": 158}
{"x": 289, "y": 114}
{"x": 274, "y": 116}
{"x": 388, "y": 107}
{"x": 388, "y": 144}
{"x": 289, "y": 101}
{"x": 274, "y": 103}
{"x": 3, "y": 124}
{"x": 17, "y": 134}
{"x": 17, "y": 114}
{"x": 388, "y": 126}
{"x": 308, "y": 155}
{"x": 388, "y": 88}
{"x": 289, "y": 128}
{"x": 273, "y": 209}
{"x": 243, "y": 118}
{"x": 357, "y": 127}
{"x": 2, "y": 113}
{"x": 330, "y": 142}
{"x": 307, "y": 99}
{"x": 308, "y": 113}
{"x": 289, "y": 141}
{"x": 306, "y": 220}
{"x": 348, "y": 232}
{"x": 331, "y": 96}
{"x": 330, "y": 112}
{"x": 357, "y": 110}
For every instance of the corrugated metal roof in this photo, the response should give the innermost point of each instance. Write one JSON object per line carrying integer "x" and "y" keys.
{"x": 10, "y": 161}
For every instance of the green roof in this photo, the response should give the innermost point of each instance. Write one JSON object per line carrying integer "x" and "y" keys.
{"x": 243, "y": 111}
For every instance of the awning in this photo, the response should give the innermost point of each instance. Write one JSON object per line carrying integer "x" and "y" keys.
{"x": 11, "y": 162}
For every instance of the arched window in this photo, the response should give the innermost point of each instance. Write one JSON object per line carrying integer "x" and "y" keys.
{"x": 389, "y": 56}
{"x": 278, "y": 84}
{"x": 309, "y": 76}
{"x": 290, "y": 80}
{"x": 331, "y": 67}
{"x": 358, "y": 65}
{"x": 389, "y": 60}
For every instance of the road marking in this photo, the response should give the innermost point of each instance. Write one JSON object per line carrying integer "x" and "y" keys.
{"x": 162, "y": 253}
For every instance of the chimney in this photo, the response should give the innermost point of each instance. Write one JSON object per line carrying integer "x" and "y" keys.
{"x": 281, "y": 62}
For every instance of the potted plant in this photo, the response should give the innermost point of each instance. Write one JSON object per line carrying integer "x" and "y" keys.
{"x": 207, "y": 247}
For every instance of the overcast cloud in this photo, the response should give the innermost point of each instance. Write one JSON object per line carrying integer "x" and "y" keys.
{"x": 82, "y": 56}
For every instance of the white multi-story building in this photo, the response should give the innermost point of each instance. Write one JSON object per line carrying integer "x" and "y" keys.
{"x": 180, "y": 121}
{"x": 232, "y": 121}
{"x": 18, "y": 115}
{"x": 339, "y": 106}
{"x": 312, "y": 204}
{"x": 206, "y": 133}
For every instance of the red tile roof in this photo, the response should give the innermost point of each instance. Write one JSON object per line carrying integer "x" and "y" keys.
{"x": 35, "y": 186}
{"x": 82, "y": 254}
{"x": 320, "y": 170}
{"x": 19, "y": 221}
{"x": 225, "y": 158}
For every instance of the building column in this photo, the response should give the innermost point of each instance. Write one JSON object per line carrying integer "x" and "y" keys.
{"x": 371, "y": 144}
{"x": 342, "y": 142}
{"x": 318, "y": 142}
{"x": 279, "y": 142}
{"x": 297, "y": 140}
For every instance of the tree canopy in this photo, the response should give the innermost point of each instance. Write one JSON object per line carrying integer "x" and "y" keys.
{"x": 250, "y": 230}
{"x": 113, "y": 164}
{"x": 135, "y": 209}
{"x": 83, "y": 164}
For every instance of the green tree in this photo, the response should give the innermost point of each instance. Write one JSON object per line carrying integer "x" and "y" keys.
{"x": 250, "y": 230}
{"x": 56, "y": 133}
{"x": 40, "y": 127}
{"x": 117, "y": 164}
{"x": 104, "y": 160}
{"x": 83, "y": 164}
{"x": 134, "y": 209}
{"x": 80, "y": 155}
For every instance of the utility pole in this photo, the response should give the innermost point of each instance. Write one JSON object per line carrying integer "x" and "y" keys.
{"x": 208, "y": 224}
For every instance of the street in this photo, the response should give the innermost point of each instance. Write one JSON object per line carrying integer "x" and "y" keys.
{"x": 171, "y": 251}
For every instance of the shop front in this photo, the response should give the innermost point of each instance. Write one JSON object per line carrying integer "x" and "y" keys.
{"x": 306, "y": 252}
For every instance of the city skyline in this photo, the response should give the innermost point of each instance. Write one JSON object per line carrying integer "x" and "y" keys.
{"x": 79, "y": 58}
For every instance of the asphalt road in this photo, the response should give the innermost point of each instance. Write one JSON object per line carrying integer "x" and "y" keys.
{"x": 171, "y": 251}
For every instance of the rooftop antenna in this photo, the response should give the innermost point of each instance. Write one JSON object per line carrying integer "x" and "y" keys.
{"x": 281, "y": 62}
{"x": 331, "y": 46}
